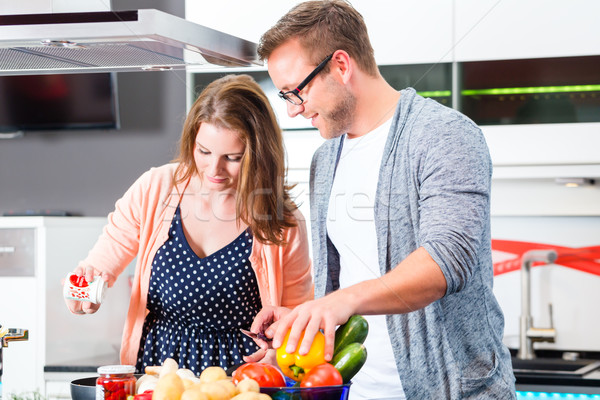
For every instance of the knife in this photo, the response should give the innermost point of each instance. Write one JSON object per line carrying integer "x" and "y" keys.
{"x": 253, "y": 335}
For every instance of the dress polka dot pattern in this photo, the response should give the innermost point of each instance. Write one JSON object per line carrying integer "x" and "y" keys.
{"x": 198, "y": 305}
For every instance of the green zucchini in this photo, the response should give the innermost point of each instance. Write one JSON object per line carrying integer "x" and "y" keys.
{"x": 350, "y": 360}
{"x": 354, "y": 330}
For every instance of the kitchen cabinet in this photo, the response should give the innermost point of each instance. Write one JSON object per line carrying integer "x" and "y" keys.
{"x": 245, "y": 19}
{"x": 496, "y": 30}
{"x": 408, "y": 31}
{"x": 413, "y": 31}
{"x": 37, "y": 253}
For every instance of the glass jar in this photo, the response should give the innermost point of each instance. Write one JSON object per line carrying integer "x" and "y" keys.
{"x": 115, "y": 382}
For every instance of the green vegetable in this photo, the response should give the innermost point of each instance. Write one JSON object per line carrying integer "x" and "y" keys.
{"x": 350, "y": 360}
{"x": 355, "y": 330}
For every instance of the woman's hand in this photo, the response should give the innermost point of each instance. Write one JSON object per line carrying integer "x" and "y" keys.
{"x": 268, "y": 356}
{"x": 266, "y": 322}
{"x": 85, "y": 307}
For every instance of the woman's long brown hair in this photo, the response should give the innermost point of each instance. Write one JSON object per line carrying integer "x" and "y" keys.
{"x": 237, "y": 102}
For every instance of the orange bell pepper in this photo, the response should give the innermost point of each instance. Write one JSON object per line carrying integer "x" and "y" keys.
{"x": 294, "y": 365}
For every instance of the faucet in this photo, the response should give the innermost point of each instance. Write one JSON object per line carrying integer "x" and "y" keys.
{"x": 527, "y": 333}
{"x": 10, "y": 335}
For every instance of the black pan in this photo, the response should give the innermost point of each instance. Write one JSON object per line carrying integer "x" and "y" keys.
{"x": 84, "y": 389}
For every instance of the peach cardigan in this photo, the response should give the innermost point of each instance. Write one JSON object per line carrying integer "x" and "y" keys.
{"x": 139, "y": 226}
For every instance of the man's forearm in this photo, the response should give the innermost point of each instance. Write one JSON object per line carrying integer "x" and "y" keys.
{"x": 413, "y": 284}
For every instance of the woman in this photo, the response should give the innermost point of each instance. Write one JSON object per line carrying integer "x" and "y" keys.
{"x": 215, "y": 234}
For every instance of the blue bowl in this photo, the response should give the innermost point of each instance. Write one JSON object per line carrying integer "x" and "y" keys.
{"x": 339, "y": 392}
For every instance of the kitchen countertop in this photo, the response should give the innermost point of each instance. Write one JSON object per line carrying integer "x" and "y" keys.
{"x": 83, "y": 365}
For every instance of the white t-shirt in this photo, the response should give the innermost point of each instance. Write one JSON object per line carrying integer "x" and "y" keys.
{"x": 351, "y": 228}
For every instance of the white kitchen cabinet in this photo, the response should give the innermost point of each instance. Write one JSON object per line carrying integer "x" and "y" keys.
{"x": 408, "y": 31}
{"x": 413, "y": 31}
{"x": 530, "y": 161}
{"x": 507, "y": 29}
{"x": 31, "y": 271}
{"x": 531, "y": 195}
{"x": 245, "y": 19}
{"x": 544, "y": 144}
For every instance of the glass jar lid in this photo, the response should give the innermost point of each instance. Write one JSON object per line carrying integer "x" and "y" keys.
{"x": 116, "y": 369}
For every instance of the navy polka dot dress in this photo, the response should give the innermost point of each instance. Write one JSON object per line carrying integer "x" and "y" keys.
{"x": 198, "y": 305}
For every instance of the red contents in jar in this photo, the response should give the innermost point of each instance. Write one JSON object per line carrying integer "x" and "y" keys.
{"x": 78, "y": 281}
{"x": 117, "y": 386}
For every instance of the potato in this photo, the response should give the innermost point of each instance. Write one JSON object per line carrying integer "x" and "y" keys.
{"x": 229, "y": 385}
{"x": 194, "y": 393}
{"x": 168, "y": 387}
{"x": 213, "y": 374}
{"x": 195, "y": 386}
{"x": 214, "y": 391}
{"x": 168, "y": 366}
{"x": 248, "y": 385}
{"x": 189, "y": 382}
{"x": 246, "y": 396}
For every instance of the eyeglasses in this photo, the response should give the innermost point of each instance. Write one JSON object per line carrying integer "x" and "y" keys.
{"x": 293, "y": 96}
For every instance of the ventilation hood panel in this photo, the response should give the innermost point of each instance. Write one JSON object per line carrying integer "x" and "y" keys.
{"x": 117, "y": 41}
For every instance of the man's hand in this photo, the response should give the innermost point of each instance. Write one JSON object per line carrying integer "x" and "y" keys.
{"x": 323, "y": 314}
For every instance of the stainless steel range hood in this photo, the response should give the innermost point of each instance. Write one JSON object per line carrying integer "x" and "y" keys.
{"x": 57, "y": 43}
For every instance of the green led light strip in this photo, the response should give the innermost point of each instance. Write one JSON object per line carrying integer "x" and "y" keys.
{"x": 531, "y": 90}
{"x": 435, "y": 93}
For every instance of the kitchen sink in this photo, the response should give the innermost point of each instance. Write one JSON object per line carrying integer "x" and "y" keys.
{"x": 554, "y": 366}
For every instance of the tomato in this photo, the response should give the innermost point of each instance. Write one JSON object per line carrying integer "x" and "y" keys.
{"x": 266, "y": 375}
{"x": 322, "y": 375}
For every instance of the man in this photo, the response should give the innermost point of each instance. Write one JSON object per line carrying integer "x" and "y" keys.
{"x": 400, "y": 211}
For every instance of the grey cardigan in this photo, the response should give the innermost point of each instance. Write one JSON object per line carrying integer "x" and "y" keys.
{"x": 433, "y": 192}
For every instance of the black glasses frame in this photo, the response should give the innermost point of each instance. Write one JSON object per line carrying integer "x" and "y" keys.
{"x": 293, "y": 96}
